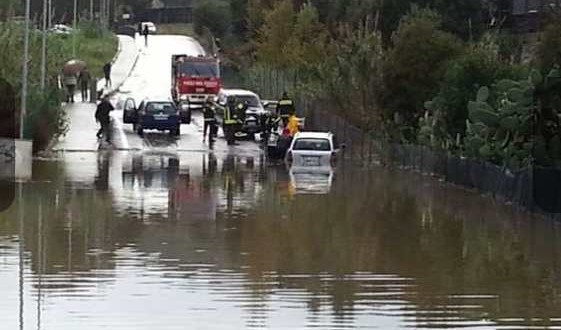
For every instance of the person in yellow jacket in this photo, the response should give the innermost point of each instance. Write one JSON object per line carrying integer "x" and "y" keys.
{"x": 293, "y": 124}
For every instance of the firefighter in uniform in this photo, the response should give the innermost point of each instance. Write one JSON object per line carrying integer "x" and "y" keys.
{"x": 209, "y": 115}
{"x": 230, "y": 122}
{"x": 269, "y": 124}
{"x": 285, "y": 107}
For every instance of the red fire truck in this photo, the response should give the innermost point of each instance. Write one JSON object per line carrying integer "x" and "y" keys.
{"x": 194, "y": 78}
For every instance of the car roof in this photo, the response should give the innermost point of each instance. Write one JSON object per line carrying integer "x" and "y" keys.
{"x": 313, "y": 135}
{"x": 156, "y": 99}
{"x": 229, "y": 92}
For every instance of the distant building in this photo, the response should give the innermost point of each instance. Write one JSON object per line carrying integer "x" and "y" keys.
{"x": 526, "y": 15}
{"x": 168, "y": 11}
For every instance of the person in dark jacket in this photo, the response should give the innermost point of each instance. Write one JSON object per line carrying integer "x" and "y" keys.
{"x": 230, "y": 121}
{"x": 107, "y": 74}
{"x": 209, "y": 115}
{"x": 102, "y": 115}
{"x": 145, "y": 32}
{"x": 84, "y": 81}
{"x": 285, "y": 107}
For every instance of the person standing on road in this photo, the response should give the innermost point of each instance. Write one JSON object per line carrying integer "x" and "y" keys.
{"x": 285, "y": 107}
{"x": 293, "y": 124}
{"x": 209, "y": 115}
{"x": 102, "y": 115}
{"x": 145, "y": 31}
{"x": 270, "y": 125}
{"x": 107, "y": 74}
{"x": 84, "y": 80}
{"x": 70, "y": 81}
{"x": 230, "y": 121}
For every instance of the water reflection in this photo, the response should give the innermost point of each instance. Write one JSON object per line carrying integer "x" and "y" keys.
{"x": 143, "y": 241}
{"x": 311, "y": 180}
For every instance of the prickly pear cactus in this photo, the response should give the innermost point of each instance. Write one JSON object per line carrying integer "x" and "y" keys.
{"x": 500, "y": 121}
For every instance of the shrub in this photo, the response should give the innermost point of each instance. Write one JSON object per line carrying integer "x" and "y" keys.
{"x": 213, "y": 15}
{"x": 45, "y": 119}
{"x": 415, "y": 65}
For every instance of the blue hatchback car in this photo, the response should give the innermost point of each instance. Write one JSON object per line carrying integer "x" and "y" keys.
{"x": 161, "y": 115}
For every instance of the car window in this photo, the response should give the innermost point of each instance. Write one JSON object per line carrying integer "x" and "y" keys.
{"x": 252, "y": 100}
{"x": 312, "y": 144}
{"x": 156, "y": 107}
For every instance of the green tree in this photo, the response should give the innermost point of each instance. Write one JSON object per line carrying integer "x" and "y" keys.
{"x": 238, "y": 9}
{"x": 307, "y": 41}
{"x": 549, "y": 49}
{"x": 463, "y": 77}
{"x": 415, "y": 65}
{"x": 214, "y": 15}
{"x": 273, "y": 36}
{"x": 352, "y": 75}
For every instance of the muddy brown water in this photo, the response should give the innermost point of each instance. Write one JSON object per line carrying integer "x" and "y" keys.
{"x": 193, "y": 241}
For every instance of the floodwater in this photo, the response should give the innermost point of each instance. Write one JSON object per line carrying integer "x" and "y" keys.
{"x": 195, "y": 241}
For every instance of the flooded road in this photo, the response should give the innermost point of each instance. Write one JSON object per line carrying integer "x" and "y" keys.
{"x": 127, "y": 240}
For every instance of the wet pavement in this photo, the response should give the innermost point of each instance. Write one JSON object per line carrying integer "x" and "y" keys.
{"x": 134, "y": 240}
{"x": 141, "y": 72}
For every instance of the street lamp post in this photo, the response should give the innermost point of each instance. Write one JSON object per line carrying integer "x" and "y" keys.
{"x": 74, "y": 29}
{"x": 50, "y": 12}
{"x": 23, "y": 102}
{"x": 44, "y": 47}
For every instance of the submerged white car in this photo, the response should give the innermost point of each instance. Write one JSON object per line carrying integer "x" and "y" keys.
{"x": 313, "y": 149}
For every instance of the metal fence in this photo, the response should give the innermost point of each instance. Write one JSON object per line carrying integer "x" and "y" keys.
{"x": 534, "y": 188}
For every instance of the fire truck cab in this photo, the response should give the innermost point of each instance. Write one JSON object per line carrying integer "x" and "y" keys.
{"x": 194, "y": 79}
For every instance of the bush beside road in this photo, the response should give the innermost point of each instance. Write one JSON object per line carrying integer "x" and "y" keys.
{"x": 45, "y": 118}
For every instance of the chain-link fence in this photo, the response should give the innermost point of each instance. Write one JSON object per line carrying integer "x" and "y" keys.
{"x": 532, "y": 188}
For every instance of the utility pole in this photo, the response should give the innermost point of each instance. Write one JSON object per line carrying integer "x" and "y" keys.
{"x": 108, "y": 16}
{"x": 23, "y": 102}
{"x": 74, "y": 29}
{"x": 44, "y": 47}
{"x": 50, "y": 23}
{"x": 101, "y": 11}
{"x": 91, "y": 10}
